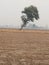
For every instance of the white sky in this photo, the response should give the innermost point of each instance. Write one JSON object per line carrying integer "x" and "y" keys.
{"x": 10, "y": 11}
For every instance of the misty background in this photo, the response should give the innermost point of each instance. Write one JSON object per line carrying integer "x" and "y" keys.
{"x": 10, "y": 13}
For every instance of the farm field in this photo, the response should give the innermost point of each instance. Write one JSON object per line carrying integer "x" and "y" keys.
{"x": 24, "y": 47}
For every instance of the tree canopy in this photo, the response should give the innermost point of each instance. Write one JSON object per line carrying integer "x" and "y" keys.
{"x": 30, "y": 12}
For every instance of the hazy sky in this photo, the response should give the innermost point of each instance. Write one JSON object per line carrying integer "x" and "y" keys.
{"x": 10, "y": 11}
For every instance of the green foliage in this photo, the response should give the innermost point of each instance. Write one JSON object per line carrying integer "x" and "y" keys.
{"x": 31, "y": 13}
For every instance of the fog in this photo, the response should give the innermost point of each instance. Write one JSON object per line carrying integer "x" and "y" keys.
{"x": 10, "y": 11}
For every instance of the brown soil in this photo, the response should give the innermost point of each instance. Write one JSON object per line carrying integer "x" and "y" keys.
{"x": 24, "y": 47}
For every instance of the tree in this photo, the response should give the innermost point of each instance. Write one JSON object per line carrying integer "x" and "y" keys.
{"x": 30, "y": 12}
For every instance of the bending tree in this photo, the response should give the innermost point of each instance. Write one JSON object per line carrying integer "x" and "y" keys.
{"x": 31, "y": 13}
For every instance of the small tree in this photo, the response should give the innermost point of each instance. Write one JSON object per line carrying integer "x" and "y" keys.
{"x": 30, "y": 12}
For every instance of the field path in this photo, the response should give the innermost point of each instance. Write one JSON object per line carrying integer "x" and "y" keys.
{"x": 22, "y": 47}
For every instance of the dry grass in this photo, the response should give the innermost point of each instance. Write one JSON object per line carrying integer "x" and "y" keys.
{"x": 24, "y": 47}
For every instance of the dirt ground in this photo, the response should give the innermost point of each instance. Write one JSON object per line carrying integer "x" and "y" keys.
{"x": 24, "y": 47}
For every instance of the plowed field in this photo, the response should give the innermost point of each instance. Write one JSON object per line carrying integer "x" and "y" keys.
{"x": 24, "y": 47}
